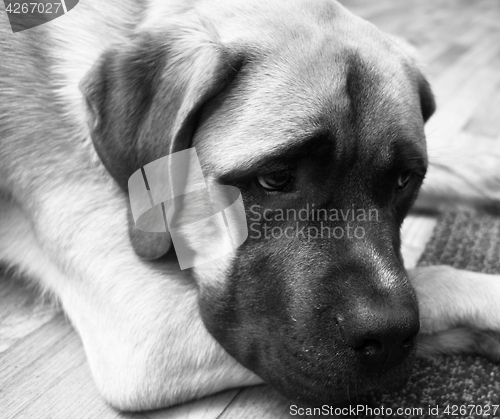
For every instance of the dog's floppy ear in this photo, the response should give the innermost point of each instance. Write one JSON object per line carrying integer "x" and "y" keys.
{"x": 143, "y": 100}
{"x": 427, "y": 102}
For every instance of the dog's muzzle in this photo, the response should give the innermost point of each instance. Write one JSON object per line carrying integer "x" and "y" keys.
{"x": 318, "y": 334}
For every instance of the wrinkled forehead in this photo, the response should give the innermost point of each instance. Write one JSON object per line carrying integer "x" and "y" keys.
{"x": 350, "y": 81}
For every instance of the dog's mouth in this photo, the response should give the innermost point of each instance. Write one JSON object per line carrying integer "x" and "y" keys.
{"x": 312, "y": 378}
{"x": 311, "y": 361}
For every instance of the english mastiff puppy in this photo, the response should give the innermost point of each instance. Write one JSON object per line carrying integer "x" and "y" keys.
{"x": 301, "y": 106}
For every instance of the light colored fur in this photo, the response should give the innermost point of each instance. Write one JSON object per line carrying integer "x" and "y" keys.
{"x": 459, "y": 311}
{"x": 466, "y": 181}
{"x": 449, "y": 298}
{"x": 64, "y": 223}
{"x": 143, "y": 336}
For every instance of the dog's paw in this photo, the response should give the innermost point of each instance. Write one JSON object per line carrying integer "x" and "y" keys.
{"x": 451, "y": 298}
{"x": 460, "y": 341}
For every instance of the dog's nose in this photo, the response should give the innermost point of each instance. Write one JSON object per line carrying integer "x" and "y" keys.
{"x": 382, "y": 337}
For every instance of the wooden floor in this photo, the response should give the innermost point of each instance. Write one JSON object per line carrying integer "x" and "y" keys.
{"x": 43, "y": 371}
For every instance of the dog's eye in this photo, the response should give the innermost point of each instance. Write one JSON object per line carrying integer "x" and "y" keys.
{"x": 403, "y": 179}
{"x": 275, "y": 181}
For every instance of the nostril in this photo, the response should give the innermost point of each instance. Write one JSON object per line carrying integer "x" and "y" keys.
{"x": 370, "y": 347}
{"x": 409, "y": 342}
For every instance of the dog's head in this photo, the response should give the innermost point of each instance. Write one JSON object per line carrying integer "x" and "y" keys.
{"x": 317, "y": 118}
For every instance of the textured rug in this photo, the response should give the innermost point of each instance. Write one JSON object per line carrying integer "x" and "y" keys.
{"x": 460, "y": 386}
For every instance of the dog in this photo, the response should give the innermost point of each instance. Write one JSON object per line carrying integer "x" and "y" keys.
{"x": 300, "y": 105}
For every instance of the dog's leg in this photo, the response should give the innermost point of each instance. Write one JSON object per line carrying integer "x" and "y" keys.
{"x": 18, "y": 247}
{"x": 139, "y": 322}
{"x": 459, "y": 311}
{"x": 460, "y": 181}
